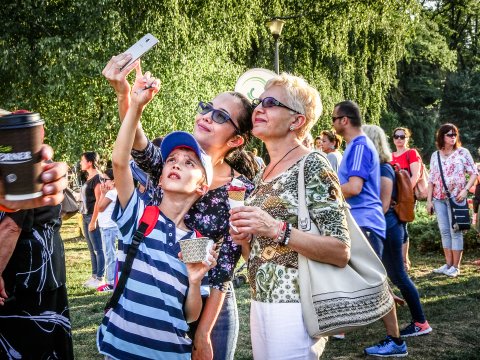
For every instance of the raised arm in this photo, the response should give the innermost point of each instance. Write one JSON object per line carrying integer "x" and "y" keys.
{"x": 140, "y": 97}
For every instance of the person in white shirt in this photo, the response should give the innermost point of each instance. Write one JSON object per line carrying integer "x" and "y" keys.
{"x": 108, "y": 227}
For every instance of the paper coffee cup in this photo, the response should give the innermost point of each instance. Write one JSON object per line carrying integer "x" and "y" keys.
{"x": 196, "y": 250}
{"x": 21, "y": 138}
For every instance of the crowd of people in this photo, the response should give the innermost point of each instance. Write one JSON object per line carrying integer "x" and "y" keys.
{"x": 170, "y": 309}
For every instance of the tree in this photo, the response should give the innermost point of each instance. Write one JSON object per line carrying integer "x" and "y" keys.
{"x": 52, "y": 60}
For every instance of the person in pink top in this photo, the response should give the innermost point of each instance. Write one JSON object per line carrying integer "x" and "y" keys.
{"x": 456, "y": 163}
{"x": 410, "y": 160}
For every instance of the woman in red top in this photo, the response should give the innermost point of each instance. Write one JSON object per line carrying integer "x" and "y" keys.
{"x": 410, "y": 160}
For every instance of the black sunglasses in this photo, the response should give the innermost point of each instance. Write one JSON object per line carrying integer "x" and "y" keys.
{"x": 451, "y": 135}
{"x": 219, "y": 116}
{"x": 271, "y": 102}
{"x": 399, "y": 137}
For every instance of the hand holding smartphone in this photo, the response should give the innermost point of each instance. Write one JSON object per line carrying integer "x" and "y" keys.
{"x": 140, "y": 47}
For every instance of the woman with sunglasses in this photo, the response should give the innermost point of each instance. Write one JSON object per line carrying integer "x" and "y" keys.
{"x": 222, "y": 127}
{"x": 331, "y": 141}
{"x": 268, "y": 225}
{"x": 410, "y": 160}
{"x": 456, "y": 162}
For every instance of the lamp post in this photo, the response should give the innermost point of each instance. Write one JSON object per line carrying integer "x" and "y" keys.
{"x": 275, "y": 25}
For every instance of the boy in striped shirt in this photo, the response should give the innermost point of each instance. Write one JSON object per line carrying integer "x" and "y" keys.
{"x": 162, "y": 294}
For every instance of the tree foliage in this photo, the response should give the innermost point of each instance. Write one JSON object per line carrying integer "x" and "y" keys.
{"x": 53, "y": 51}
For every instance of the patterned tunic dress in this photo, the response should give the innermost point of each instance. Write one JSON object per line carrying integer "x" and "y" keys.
{"x": 273, "y": 268}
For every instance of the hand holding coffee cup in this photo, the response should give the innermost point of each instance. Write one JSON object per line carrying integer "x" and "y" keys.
{"x": 21, "y": 138}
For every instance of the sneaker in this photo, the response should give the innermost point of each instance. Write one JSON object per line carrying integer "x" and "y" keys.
{"x": 442, "y": 269}
{"x": 89, "y": 281}
{"x": 339, "y": 336}
{"x": 105, "y": 288}
{"x": 95, "y": 283}
{"x": 416, "y": 329}
{"x": 452, "y": 272}
{"x": 387, "y": 348}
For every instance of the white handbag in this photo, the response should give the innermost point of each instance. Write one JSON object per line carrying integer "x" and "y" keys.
{"x": 336, "y": 300}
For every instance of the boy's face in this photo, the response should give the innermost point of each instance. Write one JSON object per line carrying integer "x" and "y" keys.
{"x": 183, "y": 172}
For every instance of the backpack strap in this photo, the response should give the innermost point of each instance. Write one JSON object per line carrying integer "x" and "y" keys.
{"x": 147, "y": 224}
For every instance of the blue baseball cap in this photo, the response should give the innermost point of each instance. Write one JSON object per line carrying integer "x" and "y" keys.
{"x": 182, "y": 139}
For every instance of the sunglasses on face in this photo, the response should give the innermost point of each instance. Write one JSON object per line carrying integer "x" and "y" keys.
{"x": 269, "y": 102}
{"x": 451, "y": 135}
{"x": 219, "y": 116}
{"x": 402, "y": 137}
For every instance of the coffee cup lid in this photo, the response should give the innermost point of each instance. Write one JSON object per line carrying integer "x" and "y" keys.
{"x": 15, "y": 121}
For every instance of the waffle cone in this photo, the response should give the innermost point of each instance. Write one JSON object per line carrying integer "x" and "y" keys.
{"x": 237, "y": 195}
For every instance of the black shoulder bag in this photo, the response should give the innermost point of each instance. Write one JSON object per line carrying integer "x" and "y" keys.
{"x": 145, "y": 227}
{"x": 460, "y": 212}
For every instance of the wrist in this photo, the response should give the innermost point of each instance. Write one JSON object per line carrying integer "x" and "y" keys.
{"x": 6, "y": 209}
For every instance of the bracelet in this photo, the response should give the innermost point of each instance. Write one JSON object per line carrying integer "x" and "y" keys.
{"x": 281, "y": 232}
{"x": 286, "y": 237}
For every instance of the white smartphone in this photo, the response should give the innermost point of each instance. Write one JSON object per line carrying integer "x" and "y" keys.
{"x": 140, "y": 48}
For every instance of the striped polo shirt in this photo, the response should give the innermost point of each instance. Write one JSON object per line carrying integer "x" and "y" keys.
{"x": 148, "y": 322}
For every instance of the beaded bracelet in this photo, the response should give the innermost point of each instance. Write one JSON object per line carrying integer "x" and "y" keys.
{"x": 281, "y": 232}
{"x": 286, "y": 237}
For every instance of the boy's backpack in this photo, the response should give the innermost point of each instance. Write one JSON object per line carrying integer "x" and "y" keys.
{"x": 404, "y": 205}
{"x": 147, "y": 224}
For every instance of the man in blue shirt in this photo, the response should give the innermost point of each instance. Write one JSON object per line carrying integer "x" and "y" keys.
{"x": 359, "y": 174}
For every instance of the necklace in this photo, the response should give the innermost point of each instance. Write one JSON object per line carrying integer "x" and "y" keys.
{"x": 278, "y": 162}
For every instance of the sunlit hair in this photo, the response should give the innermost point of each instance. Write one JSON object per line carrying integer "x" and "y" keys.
{"x": 300, "y": 96}
{"x": 92, "y": 157}
{"x": 440, "y": 136}
{"x": 379, "y": 139}
{"x": 333, "y": 137}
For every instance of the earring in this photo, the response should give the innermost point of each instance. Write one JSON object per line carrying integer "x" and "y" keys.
{"x": 292, "y": 128}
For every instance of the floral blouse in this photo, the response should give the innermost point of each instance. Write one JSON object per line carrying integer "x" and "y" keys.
{"x": 454, "y": 169}
{"x": 210, "y": 216}
{"x": 273, "y": 268}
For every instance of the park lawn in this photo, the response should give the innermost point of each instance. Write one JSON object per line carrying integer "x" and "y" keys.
{"x": 451, "y": 305}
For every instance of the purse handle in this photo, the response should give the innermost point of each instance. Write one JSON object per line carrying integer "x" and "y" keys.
{"x": 304, "y": 221}
{"x": 441, "y": 174}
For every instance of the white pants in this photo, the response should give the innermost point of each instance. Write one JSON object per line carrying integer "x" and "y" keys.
{"x": 278, "y": 332}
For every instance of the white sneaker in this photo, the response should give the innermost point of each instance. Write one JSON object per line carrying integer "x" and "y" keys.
{"x": 89, "y": 281}
{"x": 452, "y": 272}
{"x": 442, "y": 269}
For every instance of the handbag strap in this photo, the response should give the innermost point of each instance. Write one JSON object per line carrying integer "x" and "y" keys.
{"x": 304, "y": 221}
{"x": 441, "y": 174}
{"x": 147, "y": 224}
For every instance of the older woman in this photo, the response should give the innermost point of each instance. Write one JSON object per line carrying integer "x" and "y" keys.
{"x": 268, "y": 226}
{"x": 456, "y": 162}
{"x": 222, "y": 127}
{"x": 331, "y": 141}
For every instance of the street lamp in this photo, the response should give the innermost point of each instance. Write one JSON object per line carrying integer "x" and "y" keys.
{"x": 275, "y": 25}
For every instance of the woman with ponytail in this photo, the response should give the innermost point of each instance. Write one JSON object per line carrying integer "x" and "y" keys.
{"x": 90, "y": 195}
{"x": 222, "y": 128}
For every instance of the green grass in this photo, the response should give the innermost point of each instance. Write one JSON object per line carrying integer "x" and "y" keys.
{"x": 451, "y": 305}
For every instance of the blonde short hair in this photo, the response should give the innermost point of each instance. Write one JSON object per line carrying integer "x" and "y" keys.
{"x": 300, "y": 96}
{"x": 379, "y": 139}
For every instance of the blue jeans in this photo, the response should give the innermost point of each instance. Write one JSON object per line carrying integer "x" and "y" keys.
{"x": 452, "y": 240}
{"x": 375, "y": 240}
{"x": 94, "y": 243}
{"x": 109, "y": 236}
{"x": 392, "y": 259}
{"x": 225, "y": 331}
